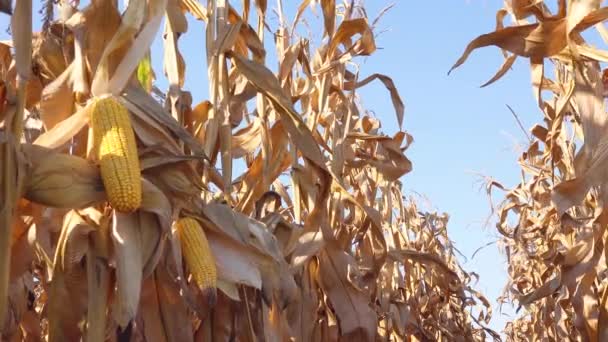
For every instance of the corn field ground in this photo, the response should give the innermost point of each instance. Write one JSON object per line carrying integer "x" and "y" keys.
{"x": 273, "y": 209}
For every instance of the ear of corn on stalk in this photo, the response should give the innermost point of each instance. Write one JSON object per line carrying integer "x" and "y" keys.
{"x": 61, "y": 180}
{"x": 196, "y": 252}
{"x": 117, "y": 153}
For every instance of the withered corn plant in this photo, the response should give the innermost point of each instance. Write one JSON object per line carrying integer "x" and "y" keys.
{"x": 124, "y": 218}
{"x": 554, "y": 222}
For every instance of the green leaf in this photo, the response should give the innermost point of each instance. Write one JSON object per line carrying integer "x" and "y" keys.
{"x": 145, "y": 74}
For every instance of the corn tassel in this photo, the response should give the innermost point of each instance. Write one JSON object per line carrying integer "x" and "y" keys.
{"x": 116, "y": 149}
{"x": 196, "y": 251}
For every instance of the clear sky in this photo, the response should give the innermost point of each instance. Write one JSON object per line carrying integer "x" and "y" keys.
{"x": 460, "y": 130}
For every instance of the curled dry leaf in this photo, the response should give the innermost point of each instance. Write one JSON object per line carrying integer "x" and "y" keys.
{"x": 68, "y": 289}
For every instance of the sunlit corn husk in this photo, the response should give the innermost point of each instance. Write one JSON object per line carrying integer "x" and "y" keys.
{"x": 129, "y": 263}
{"x": 61, "y": 180}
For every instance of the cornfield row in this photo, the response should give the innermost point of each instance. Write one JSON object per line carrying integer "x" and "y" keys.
{"x": 553, "y": 223}
{"x": 123, "y": 218}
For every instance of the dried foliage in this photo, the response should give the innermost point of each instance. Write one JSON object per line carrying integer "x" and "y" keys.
{"x": 553, "y": 223}
{"x": 314, "y": 241}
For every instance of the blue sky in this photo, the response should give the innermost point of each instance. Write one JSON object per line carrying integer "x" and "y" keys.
{"x": 460, "y": 130}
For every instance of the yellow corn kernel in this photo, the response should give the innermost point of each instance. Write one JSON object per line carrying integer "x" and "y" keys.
{"x": 116, "y": 149}
{"x": 196, "y": 251}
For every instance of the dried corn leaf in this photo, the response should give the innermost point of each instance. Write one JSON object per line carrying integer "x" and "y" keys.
{"x": 129, "y": 266}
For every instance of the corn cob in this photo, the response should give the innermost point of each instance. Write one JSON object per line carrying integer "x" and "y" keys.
{"x": 197, "y": 253}
{"x": 116, "y": 149}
